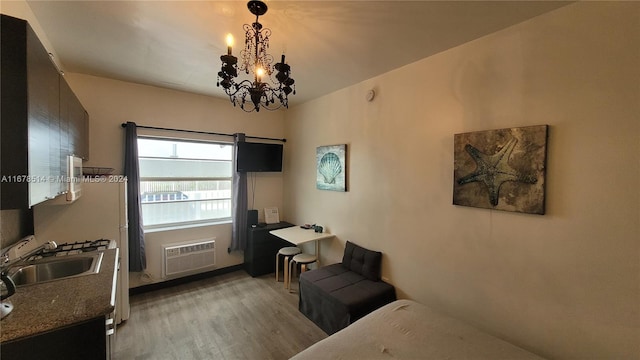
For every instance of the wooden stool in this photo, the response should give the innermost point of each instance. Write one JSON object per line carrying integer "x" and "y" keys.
{"x": 287, "y": 252}
{"x": 302, "y": 259}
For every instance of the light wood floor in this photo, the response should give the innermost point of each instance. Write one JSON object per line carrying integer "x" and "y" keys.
{"x": 230, "y": 316}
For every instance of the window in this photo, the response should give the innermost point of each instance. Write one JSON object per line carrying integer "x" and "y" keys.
{"x": 184, "y": 182}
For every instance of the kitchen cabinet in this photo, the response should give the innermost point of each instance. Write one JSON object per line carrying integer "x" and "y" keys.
{"x": 42, "y": 121}
{"x": 87, "y": 340}
{"x": 76, "y": 122}
{"x": 65, "y": 143}
{"x": 262, "y": 247}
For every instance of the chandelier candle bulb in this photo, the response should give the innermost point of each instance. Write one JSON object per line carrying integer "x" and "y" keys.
{"x": 229, "y": 43}
{"x": 259, "y": 73}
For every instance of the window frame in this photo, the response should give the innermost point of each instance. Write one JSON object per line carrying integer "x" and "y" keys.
{"x": 189, "y": 223}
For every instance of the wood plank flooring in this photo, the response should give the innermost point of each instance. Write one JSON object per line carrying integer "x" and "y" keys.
{"x": 230, "y": 316}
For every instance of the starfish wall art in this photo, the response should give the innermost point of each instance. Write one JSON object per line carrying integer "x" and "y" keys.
{"x": 501, "y": 169}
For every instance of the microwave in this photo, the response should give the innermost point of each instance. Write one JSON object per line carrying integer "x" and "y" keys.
{"x": 74, "y": 178}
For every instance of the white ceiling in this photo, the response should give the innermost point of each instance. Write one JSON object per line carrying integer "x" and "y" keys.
{"x": 329, "y": 44}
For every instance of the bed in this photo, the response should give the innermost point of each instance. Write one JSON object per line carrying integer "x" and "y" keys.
{"x": 405, "y": 329}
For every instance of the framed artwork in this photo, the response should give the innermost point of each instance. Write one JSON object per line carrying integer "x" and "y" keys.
{"x": 501, "y": 169}
{"x": 271, "y": 215}
{"x": 331, "y": 167}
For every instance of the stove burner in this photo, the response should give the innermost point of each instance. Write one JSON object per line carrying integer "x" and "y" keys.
{"x": 73, "y": 248}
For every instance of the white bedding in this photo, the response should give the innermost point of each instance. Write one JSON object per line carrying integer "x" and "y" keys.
{"x": 405, "y": 329}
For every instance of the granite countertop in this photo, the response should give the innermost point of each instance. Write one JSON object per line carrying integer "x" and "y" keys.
{"x": 51, "y": 305}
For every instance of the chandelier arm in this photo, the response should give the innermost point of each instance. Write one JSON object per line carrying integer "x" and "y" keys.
{"x": 231, "y": 93}
{"x": 244, "y": 84}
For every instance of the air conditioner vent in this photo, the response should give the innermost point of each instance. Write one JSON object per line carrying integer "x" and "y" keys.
{"x": 187, "y": 257}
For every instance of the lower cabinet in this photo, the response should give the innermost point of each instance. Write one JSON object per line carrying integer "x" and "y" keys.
{"x": 262, "y": 247}
{"x": 87, "y": 340}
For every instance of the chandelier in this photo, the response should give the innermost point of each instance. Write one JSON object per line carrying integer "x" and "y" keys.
{"x": 264, "y": 91}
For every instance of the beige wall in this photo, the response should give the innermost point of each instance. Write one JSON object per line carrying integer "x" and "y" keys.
{"x": 20, "y": 9}
{"x": 564, "y": 285}
{"x": 110, "y": 103}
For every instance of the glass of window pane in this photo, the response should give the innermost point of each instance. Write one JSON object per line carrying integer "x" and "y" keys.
{"x": 184, "y": 182}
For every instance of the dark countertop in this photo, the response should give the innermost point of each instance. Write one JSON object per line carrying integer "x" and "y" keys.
{"x": 51, "y": 305}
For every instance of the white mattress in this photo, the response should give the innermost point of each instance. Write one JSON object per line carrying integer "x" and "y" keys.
{"x": 405, "y": 329}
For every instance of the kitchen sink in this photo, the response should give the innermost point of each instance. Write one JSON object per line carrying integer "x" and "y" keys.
{"x": 56, "y": 268}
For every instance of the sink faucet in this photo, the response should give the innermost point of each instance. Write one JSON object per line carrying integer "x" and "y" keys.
{"x": 21, "y": 251}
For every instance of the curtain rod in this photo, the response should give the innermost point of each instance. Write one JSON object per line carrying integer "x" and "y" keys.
{"x": 203, "y": 132}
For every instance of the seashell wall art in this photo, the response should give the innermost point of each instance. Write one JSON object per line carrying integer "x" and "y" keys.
{"x": 331, "y": 167}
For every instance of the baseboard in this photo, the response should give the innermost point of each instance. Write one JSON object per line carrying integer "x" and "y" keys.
{"x": 184, "y": 280}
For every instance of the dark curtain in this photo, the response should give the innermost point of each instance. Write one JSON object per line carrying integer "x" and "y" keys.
{"x": 239, "y": 211}
{"x": 137, "y": 256}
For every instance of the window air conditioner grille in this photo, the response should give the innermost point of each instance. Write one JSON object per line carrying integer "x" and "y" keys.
{"x": 187, "y": 257}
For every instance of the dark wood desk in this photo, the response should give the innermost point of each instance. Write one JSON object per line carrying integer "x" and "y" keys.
{"x": 262, "y": 247}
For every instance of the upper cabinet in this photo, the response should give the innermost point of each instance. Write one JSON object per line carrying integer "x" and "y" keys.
{"x": 43, "y": 129}
{"x": 76, "y": 122}
{"x": 42, "y": 120}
